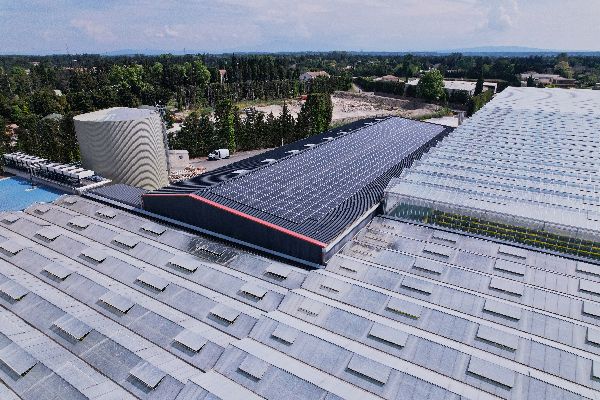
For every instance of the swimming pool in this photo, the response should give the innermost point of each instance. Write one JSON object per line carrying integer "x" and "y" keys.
{"x": 17, "y": 194}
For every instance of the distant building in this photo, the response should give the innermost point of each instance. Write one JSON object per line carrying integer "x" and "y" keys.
{"x": 460, "y": 86}
{"x": 310, "y": 75}
{"x": 222, "y": 75}
{"x": 547, "y": 79}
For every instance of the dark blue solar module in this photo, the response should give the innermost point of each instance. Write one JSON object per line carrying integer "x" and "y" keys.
{"x": 311, "y": 195}
{"x": 311, "y": 183}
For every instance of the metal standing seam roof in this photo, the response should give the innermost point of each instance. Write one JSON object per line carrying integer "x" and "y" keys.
{"x": 389, "y": 321}
{"x": 319, "y": 192}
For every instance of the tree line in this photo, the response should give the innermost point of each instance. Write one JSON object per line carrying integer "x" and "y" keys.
{"x": 201, "y": 134}
{"x": 28, "y": 95}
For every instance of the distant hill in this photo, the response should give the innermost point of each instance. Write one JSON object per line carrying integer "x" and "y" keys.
{"x": 514, "y": 51}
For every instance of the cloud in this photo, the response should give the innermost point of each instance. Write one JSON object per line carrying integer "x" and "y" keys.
{"x": 501, "y": 15}
{"x": 290, "y": 25}
{"x": 96, "y": 30}
{"x": 167, "y": 32}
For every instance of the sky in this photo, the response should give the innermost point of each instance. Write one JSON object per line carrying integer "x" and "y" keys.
{"x": 219, "y": 26}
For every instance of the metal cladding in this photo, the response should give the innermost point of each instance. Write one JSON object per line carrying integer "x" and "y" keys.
{"x": 523, "y": 169}
{"x": 402, "y": 312}
{"x": 125, "y": 145}
{"x": 305, "y": 204}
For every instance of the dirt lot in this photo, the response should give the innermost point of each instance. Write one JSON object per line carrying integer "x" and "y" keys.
{"x": 353, "y": 106}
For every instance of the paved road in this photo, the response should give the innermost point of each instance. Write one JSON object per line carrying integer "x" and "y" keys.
{"x": 210, "y": 165}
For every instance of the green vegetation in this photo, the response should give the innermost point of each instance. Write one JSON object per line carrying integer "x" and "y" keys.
{"x": 200, "y": 82}
{"x": 443, "y": 112}
{"x": 511, "y": 233}
{"x": 369, "y": 85}
{"x": 431, "y": 86}
{"x": 199, "y": 135}
{"x": 476, "y": 102}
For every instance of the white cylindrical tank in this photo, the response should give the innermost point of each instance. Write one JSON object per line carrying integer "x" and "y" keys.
{"x": 125, "y": 145}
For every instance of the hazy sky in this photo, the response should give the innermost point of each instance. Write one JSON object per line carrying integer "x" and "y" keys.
{"x": 53, "y": 26}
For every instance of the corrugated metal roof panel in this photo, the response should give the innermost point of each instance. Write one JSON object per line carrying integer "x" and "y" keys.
{"x": 497, "y": 337}
{"x": 253, "y": 366}
{"x": 417, "y": 284}
{"x": 507, "y": 286}
{"x": 592, "y": 309}
{"x": 370, "y": 369}
{"x": 589, "y": 286}
{"x": 154, "y": 229}
{"x": 17, "y": 359}
{"x": 404, "y": 307}
{"x": 58, "y": 270}
{"x": 253, "y": 290}
{"x": 510, "y": 266}
{"x": 185, "y": 262}
{"x": 190, "y": 339}
{"x": 389, "y": 335}
{"x": 506, "y": 310}
{"x": 117, "y": 301}
{"x": 48, "y": 233}
{"x": 72, "y": 326}
{"x": 80, "y": 222}
{"x": 153, "y": 281}
{"x": 278, "y": 271}
{"x": 148, "y": 374}
{"x": 11, "y": 247}
{"x": 225, "y": 313}
{"x": 285, "y": 333}
{"x": 13, "y": 290}
{"x": 126, "y": 240}
{"x": 492, "y": 372}
{"x": 94, "y": 254}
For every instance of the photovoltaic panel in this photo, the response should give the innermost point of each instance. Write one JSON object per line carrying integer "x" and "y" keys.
{"x": 311, "y": 183}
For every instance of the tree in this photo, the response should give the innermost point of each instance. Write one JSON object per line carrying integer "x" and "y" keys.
{"x": 431, "y": 86}
{"x": 564, "y": 69}
{"x": 195, "y": 135}
{"x": 4, "y": 137}
{"x": 224, "y": 125}
{"x": 286, "y": 125}
{"x": 44, "y": 102}
{"x": 530, "y": 81}
{"x": 315, "y": 115}
{"x": 478, "y": 86}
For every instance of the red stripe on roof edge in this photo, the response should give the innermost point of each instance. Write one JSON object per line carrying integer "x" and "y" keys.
{"x": 246, "y": 216}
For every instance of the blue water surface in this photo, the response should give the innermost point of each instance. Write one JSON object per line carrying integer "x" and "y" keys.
{"x": 17, "y": 194}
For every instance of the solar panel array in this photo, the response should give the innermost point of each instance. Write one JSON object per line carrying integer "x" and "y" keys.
{"x": 404, "y": 312}
{"x": 530, "y": 156}
{"x": 227, "y": 172}
{"x": 311, "y": 183}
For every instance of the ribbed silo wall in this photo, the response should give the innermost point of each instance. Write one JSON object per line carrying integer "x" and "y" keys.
{"x": 130, "y": 152}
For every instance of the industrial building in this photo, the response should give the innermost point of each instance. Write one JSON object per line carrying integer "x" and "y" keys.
{"x": 100, "y": 303}
{"x": 305, "y": 205}
{"x": 126, "y": 145}
{"x": 522, "y": 169}
{"x": 101, "y": 299}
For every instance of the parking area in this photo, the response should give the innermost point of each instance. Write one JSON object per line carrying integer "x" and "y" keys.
{"x": 238, "y": 156}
